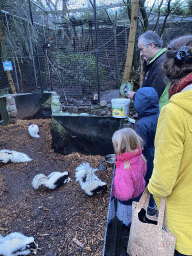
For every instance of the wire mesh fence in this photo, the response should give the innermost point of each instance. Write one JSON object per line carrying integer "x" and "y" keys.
{"x": 79, "y": 52}
{"x": 78, "y": 47}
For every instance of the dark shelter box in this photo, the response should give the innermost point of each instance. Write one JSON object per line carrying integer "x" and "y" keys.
{"x": 91, "y": 134}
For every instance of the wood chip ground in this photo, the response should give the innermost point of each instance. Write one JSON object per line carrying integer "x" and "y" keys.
{"x": 64, "y": 222}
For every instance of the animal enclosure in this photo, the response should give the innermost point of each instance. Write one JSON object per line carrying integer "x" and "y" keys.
{"x": 76, "y": 50}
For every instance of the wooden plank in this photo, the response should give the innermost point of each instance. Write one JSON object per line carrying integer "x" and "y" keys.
{"x": 131, "y": 43}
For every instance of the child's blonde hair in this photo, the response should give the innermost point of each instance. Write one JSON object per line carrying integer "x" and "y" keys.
{"x": 125, "y": 140}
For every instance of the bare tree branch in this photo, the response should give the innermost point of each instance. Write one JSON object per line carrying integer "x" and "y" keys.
{"x": 52, "y": 5}
{"x": 144, "y": 14}
{"x": 128, "y": 4}
{"x": 166, "y": 16}
{"x": 129, "y": 13}
{"x": 159, "y": 14}
{"x": 109, "y": 15}
{"x": 151, "y": 8}
{"x": 91, "y": 3}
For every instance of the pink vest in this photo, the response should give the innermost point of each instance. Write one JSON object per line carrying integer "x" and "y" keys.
{"x": 129, "y": 183}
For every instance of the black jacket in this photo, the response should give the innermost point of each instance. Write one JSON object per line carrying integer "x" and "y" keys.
{"x": 155, "y": 76}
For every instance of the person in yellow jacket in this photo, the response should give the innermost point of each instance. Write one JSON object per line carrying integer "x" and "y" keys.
{"x": 172, "y": 172}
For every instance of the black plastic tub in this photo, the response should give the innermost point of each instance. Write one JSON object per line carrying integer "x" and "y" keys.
{"x": 93, "y": 133}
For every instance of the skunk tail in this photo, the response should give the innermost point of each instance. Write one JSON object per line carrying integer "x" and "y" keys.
{"x": 14, "y": 156}
{"x": 39, "y": 180}
{"x": 33, "y": 130}
{"x": 18, "y": 157}
{"x": 82, "y": 170}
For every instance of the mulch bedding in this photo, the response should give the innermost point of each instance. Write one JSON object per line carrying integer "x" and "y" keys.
{"x": 63, "y": 222}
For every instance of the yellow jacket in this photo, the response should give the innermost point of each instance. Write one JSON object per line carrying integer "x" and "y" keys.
{"x": 172, "y": 173}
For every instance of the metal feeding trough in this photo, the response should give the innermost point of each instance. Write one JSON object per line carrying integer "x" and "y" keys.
{"x": 110, "y": 158}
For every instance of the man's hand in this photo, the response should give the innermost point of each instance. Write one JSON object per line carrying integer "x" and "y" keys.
{"x": 130, "y": 94}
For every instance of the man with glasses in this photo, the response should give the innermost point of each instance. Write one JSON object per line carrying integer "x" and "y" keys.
{"x": 153, "y": 54}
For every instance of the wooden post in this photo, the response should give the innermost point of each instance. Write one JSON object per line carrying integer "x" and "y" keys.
{"x": 116, "y": 55}
{"x": 131, "y": 43}
{"x": 10, "y": 82}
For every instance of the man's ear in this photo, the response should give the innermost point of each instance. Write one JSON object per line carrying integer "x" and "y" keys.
{"x": 152, "y": 45}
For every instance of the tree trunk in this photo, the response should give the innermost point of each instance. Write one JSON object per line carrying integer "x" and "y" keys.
{"x": 116, "y": 55}
{"x": 20, "y": 74}
{"x": 11, "y": 83}
{"x": 131, "y": 43}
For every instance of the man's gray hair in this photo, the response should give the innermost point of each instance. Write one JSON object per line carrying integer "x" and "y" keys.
{"x": 151, "y": 37}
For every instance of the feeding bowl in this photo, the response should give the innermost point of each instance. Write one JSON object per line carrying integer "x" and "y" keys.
{"x": 110, "y": 158}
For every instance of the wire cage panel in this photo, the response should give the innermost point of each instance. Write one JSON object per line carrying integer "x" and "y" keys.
{"x": 76, "y": 47}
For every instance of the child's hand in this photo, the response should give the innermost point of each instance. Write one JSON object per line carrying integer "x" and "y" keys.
{"x": 130, "y": 94}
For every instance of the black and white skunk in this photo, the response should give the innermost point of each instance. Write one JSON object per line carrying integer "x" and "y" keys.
{"x": 88, "y": 181}
{"x": 17, "y": 244}
{"x": 53, "y": 181}
{"x": 13, "y": 156}
{"x": 33, "y": 130}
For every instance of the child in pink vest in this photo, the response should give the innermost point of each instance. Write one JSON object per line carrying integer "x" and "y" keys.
{"x": 131, "y": 167}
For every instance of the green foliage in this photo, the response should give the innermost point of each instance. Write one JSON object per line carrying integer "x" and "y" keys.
{"x": 79, "y": 69}
{"x": 19, "y": 37}
{"x": 18, "y": 34}
{"x": 183, "y": 7}
{"x": 178, "y": 7}
{"x": 189, "y": 6}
